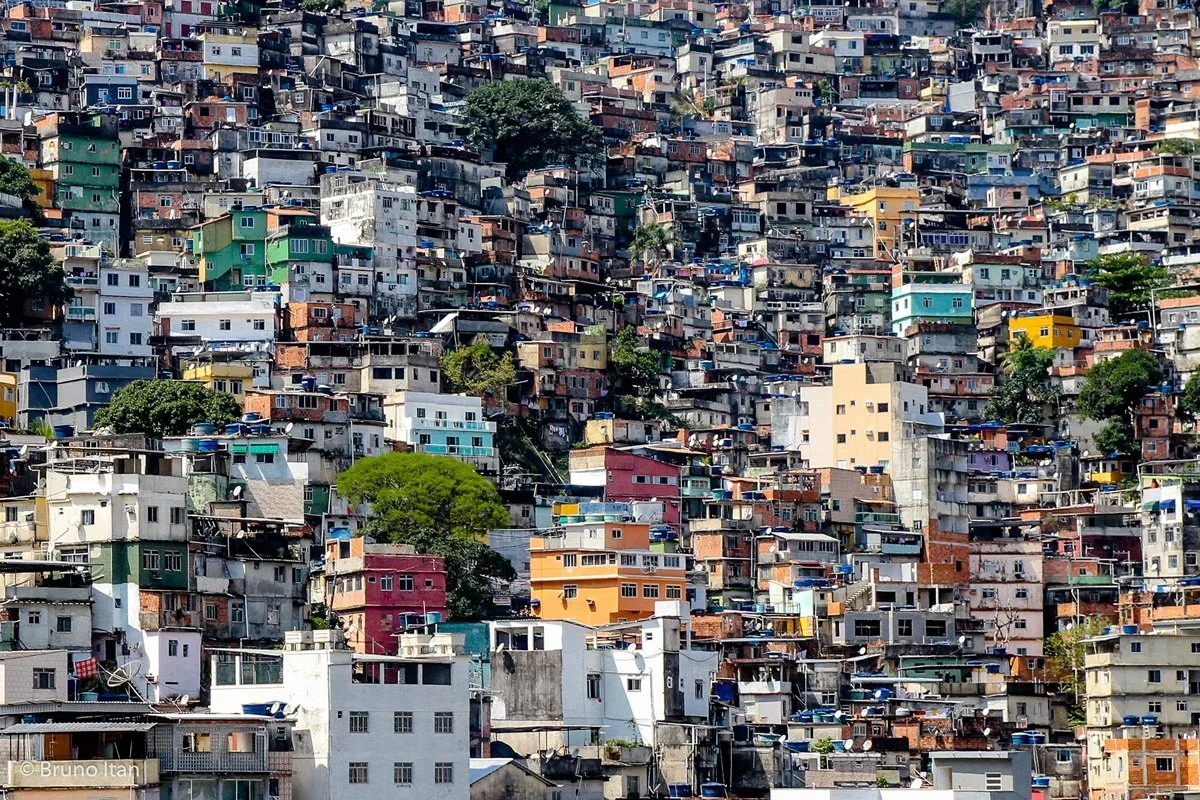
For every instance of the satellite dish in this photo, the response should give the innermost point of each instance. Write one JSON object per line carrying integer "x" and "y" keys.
{"x": 275, "y": 708}
{"x": 124, "y": 674}
{"x": 839, "y": 715}
{"x": 962, "y": 640}
{"x": 867, "y": 745}
{"x": 848, "y": 744}
{"x": 862, "y": 651}
{"x": 288, "y": 428}
{"x": 236, "y": 494}
{"x": 184, "y": 699}
{"x": 987, "y": 731}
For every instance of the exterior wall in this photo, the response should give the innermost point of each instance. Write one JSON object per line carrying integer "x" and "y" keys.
{"x": 17, "y": 671}
{"x": 1046, "y": 330}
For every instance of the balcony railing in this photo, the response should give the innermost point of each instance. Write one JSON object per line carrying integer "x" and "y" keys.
{"x": 81, "y": 312}
{"x": 454, "y": 424}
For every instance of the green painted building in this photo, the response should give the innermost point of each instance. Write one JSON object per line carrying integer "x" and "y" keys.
{"x": 148, "y": 564}
{"x": 82, "y": 152}
{"x": 301, "y": 250}
{"x": 230, "y": 251}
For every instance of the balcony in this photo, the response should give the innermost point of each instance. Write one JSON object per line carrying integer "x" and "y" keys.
{"x": 252, "y": 758}
{"x": 82, "y": 281}
{"x": 453, "y": 425}
{"x": 79, "y": 313}
{"x": 875, "y": 518}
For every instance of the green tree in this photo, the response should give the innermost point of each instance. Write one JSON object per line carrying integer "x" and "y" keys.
{"x": 1065, "y": 651}
{"x": 823, "y": 747}
{"x": 15, "y": 180}
{"x": 1113, "y": 387}
{"x": 634, "y": 372}
{"x": 652, "y": 242}
{"x": 27, "y": 271}
{"x": 476, "y": 369}
{"x": 1129, "y": 278}
{"x": 166, "y": 408}
{"x": 965, "y": 12}
{"x": 528, "y": 124}
{"x": 1177, "y": 147}
{"x": 323, "y": 6}
{"x": 1116, "y": 437}
{"x": 1025, "y": 393}
{"x": 439, "y": 505}
{"x": 1189, "y": 402}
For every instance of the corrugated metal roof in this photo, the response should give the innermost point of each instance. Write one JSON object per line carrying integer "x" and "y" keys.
{"x": 79, "y": 727}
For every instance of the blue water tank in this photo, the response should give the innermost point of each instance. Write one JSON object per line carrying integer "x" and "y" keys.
{"x": 233, "y": 429}
{"x": 64, "y": 431}
{"x": 204, "y": 429}
{"x": 208, "y": 446}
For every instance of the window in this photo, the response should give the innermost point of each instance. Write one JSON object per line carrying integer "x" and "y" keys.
{"x": 173, "y": 561}
{"x": 211, "y": 612}
{"x": 629, "y": 590}
{"x": 44, "y": 678}
{"x": 993, "y": 781}
{"x": 402, "y": 772}
{"x": 237, "y": 612}
{"x": 569, "y": 560}
{"x": 443, "y": 722}
{"x": 151, "y": 513}
{"x": 674, "y": 592}
{"x": 650, "y": 590}
{"x": 385, "y": 583}
{"x": 405, "y": 583}
{"x": 633, "y": 684}
{"x": 172, "y": 647}
{"x": 359, "y": 721}
{"x": 87, "y": 517}
{"x": 150, "y": 560}
{"x": 63, "y": 624}
{"x": 178, "y": 515}
{"x": 402, "y": 722}
{"x": 443, "y": 772}
{"x": 904, "y": 627}
{"x": 260, "y": 324}
{"x": 225, "y": 324}
{"x": 1164, "y": 764}
{"x": 247, "y": 221}
{"x": 35, "y": 618}
{"x": 570, "y": 591}
{"x": 1154, "y": 676}
{"x": 358, "y": 772}
{"x": 593, "y": 686}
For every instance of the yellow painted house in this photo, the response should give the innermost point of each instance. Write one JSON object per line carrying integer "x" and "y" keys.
{"x": 886, "y": 207}
{"x": 1046, "y": 330}
{"x": 8, "y": 397}
{"x": 232, "y": 377}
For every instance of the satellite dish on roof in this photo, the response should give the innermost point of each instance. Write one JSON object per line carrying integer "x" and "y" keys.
{"x": 862, "y": 651}
{"x": 184, "y": 699}
{"x": 236, "y": 493}
{"x": 867, "y": 745}
{"x": 289, "y": 427}
{"x": 848, "y": 744}
{"x": 987, "y": 731}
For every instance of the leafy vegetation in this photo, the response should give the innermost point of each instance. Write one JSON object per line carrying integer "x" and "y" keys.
{"x": 634, "y": 372}
{"x": 439, "y": 505}
{"x": 1065, "y": 651}
{"x": 1110, "y": 392}
{"x": 1130, "y": 279}
{"x": 965, "y": 12}
{"x": 1178, "y": 147}
{"x": 528, "y": 124}
{"x": 652, "y": 242}
{"x": 27, "y": 271}
{"x": 1025, "y": 393}
{"x": 166, "y": 408}
{"x": 478, "y": 370}
{"x": 16, "y": 180}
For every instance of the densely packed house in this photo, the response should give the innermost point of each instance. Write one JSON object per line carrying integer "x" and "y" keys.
{"x": 835, "y": 372}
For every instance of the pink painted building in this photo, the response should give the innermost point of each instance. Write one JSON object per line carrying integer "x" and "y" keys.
{"x": 628, "y": 477}
{"x": 378, "y": 589}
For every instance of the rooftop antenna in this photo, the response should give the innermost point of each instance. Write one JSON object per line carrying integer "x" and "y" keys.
{"x": 124, "y": 675}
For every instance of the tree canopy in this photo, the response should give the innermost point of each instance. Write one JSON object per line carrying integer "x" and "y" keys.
{"x": 528, "y": 124}
{"x": 15, "y": 180}
{"x": 166, "y": 408}
{"x": 966, "y": 12}
{"x": 439, "y": 505}
{"x": 1114, "y": 386}
{"x": 27, "y": 271}
{"x": 477, "y": 369}
{"x": 652, "y": 242}
{"x": 1064, "y": 656}
{"x": 1025, "y": 393}
{"x": 1129, "y": 279}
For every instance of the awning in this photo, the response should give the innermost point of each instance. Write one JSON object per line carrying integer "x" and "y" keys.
{"x": 1151, "y": 505}
{"x": 264, "y": 448}
{"x": 1166, "y": 505}
{"x": 78, "y": 727}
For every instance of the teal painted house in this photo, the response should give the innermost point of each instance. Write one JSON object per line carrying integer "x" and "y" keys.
{"x": 931, "y": 302}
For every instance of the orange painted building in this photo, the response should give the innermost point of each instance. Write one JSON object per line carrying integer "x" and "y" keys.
{"x": 598, "y": 571}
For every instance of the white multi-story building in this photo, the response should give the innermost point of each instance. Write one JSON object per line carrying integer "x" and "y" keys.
{"x": 124, "y": 298}
{"x": 366, "y": 726}
{"x": 125, "y": 516}
{"x": 383, "y": 216}
{"x": 237, "y": 320}
{"x": 443, "y": 425}
{"x": 552, "y": 670}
